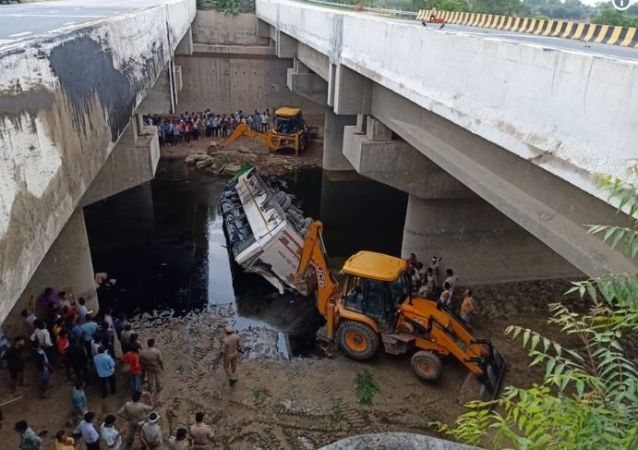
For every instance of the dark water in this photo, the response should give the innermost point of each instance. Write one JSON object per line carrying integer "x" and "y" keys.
{"x": 164, "y": 244}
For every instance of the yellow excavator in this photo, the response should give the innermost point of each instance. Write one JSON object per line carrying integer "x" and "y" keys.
{"x": 375, "y": 306}
{"x": 290, "y": 132}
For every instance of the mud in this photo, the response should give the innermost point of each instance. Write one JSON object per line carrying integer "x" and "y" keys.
{"x": 209, "y": 157}
{"x": 301, "y": 403}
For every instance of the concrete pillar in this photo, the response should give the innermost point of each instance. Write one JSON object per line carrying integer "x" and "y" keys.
{"x": 263, "y": 29}
{"x": 66, "y": 266}
{"x": 501, "y": 250}
{"x": 132, "y": 162}
{"x": 333, "y": 158}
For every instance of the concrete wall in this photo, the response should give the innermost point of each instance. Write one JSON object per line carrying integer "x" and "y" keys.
{"x": 573, "y": 114}
{"x": 66, "y": 266}
{"x": 233, "y": 68}
{"x": 65, "y": 102}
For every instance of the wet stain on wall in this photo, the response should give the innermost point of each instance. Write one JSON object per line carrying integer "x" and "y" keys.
{"x": 85, "y": 69}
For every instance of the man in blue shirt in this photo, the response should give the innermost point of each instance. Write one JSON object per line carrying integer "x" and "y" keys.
{"x": 105, "y": 368}
{"x": 89, "y": 328}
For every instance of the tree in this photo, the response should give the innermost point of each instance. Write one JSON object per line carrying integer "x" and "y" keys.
{"x": 608, "y": 15}
{"x": 441, "y": 5}
{"x": 588, "y": 398}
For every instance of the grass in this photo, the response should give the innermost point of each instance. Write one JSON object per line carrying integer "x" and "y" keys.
{"x": 365, "y": 387}
{"x": 260, "y": 394}
{"x": 335, "y": 415}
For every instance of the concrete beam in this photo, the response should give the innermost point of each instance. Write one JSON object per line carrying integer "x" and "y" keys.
{"x": 333, "y": 158}
{"x": 132, "y": 162}
{"x": 398, "y": 164}
{"x": 353, "y": 92}
{"x": 309, "y": 85}
{"x": 66, "y": 266}
{"x": 162, "y": 98}
{"x": 286, "y": 45}
{"x": 263, "y": 29}
{"x": 551, "y": 209}
{"x": 316, "y": 61}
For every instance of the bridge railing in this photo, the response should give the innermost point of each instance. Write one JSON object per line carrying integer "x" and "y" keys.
{"x": 394, "y": 12}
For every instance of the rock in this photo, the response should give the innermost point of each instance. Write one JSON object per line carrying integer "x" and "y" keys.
{"x": 230, "y": 168}
{"x": 190, "y": 160}
{"x": 203, "y": 163}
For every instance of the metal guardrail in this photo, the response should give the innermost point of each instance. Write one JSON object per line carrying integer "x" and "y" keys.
{"x": 394, "y": 12}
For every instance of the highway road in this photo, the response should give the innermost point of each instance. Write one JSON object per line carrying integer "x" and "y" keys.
{"x": 25, "y": 21}
{"x": 545, "y": 41}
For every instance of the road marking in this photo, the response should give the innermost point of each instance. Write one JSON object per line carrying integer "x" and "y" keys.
{"x": 24, "y": 33}
{"x": 69, "y": 23}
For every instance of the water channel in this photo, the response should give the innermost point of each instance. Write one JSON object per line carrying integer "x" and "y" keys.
{"x": 163, "y": 242}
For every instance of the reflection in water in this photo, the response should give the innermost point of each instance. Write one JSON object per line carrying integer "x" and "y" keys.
{"x": 164, "y": 243}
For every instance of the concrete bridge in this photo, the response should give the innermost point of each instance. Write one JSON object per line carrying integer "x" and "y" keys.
{"x": 497, "y": 141}
{"x": 73, "y": 77}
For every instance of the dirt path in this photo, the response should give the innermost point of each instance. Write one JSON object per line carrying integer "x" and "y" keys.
{"x": 301, "y": 403}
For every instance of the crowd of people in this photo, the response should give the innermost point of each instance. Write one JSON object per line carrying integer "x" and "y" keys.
{"x": 426, "y": 282}
{"x": 66, "y": 335}
{"x": 199, "y": 125}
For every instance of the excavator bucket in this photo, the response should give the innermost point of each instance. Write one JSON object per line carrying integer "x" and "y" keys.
{"x": 487, "y": 386}
{"x": 493, "y": 376}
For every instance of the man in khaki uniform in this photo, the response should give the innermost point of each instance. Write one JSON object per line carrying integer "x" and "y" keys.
{"x": 135, "y": 413}
{"x": 152, "y": 363}
{"x": 202, "y": 434}
{"x": 230, "y": 351}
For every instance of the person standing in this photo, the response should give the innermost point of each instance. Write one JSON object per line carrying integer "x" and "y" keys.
{"x": 105, "y": 368}
{"x": 83, "y": 311}
{"x": 79, "y": 361}
{"x": 467, "y": 307}
{"x": 42, "y": 335}
{"x": 132, "y": 360}
{"x": 64, "y": 442}
{"x": 134, "y": 412}
{"x": 29, "y": 440}
{"x": 89, "y": 328}
{"x": 110, "y": 435}
{"x": 15, "y": 362}
{"x": 153, "y": 365}
{"x": 202, "y": 434}
{"x": 78, "y": 400}
{"x": 86, "y": 430}
{"x": 62, "y": 348}
{"x": 44, "y": 368}
{"x": 230, "y": 352}
{"x": 151, "y": 433}
{"x": 427, "y": 287}
{"x": 179, "y": 441}
{"x": 451, "y": 280}
{"x": 445, "y": 299}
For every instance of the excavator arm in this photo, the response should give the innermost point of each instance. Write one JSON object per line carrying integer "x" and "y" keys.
{"x": 244, "y": 130}
{"x": 313, "y": 255}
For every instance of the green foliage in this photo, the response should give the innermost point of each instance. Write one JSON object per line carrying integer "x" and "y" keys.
{"x": 441, "y": 5}
{"x": 260, "y": 395}
{"x": 588, "y": 398}
{"x": 335, "y": 415}
{"x": 608, "y": 15}
{"x": 228, "y": 7}
{"x": 365, "y": 387}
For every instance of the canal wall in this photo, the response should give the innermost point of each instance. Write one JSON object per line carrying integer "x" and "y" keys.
{"x": 233, "y": 68}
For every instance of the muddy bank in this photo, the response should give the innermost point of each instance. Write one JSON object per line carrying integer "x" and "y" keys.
{"x": 211, "y": 158}
{"x": 301, "y": 403}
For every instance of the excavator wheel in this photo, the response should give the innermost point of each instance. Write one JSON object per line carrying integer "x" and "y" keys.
{"x": 357, "y": 340}
{"x": 426, "y": 365}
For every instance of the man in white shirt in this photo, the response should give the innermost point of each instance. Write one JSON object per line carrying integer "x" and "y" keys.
{"x": 110, "y": 435}
{"x": 88, "y": 433}
{"x": 451, "y": 280}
